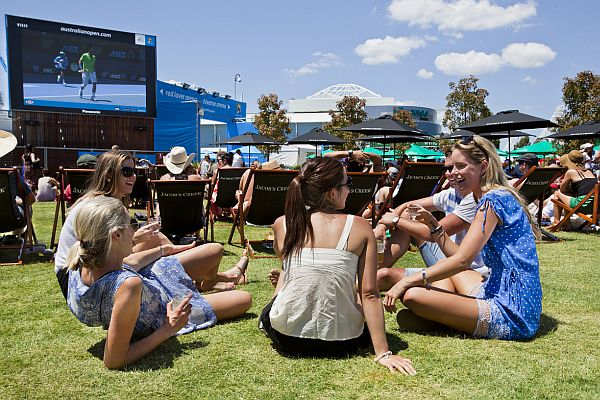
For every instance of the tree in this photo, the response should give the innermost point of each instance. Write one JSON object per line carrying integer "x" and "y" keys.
{"x": 404, "y": 117}
{"x": 524, "y": 141}
{"x": 465, "y": 103}
{"x": 581, "y": 103}
{"x": 349, "y": 110}
{"x": 271, "y": 121}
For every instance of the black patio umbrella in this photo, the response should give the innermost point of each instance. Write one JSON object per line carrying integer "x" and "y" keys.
{"x": 251, "y": 139}
{"x": 508, "y": 121}
{"x": 385, "y": 126}
{"x": 586, "y": 130}
{"x": 396, "y": 139}
{"x": 316, "y": 136}
{"x": 461, "y": 134}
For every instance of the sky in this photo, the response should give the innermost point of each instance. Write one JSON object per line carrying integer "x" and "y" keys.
{"x": 407, "y": 49}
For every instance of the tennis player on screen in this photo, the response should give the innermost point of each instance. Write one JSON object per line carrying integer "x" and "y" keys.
{"x": 61, "y": 63}
{"x": 87, "y": 67}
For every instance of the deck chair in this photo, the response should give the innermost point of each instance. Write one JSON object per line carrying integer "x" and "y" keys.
{"x": 228, "y": 183}
{"x": 140, "y": 194}
{"x": 13, "y": 217}
{"x": 362, "y": 192}
{"x": 79, "y": 180}
{"x": 587, "y": 210}
{"x": 415, "y": 180}
{"x": 268, "y": 199}
{"x": 535, "y": 185}
{"x": 181, "y": 206}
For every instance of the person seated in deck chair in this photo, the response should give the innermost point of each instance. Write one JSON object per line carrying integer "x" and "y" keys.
{"x": 577, "y": 182}
{"x": 382, "y": 192}
{"x": 133, "y": 295}
{"x": 525, "y": 162}
{"x": 357, "y": 160}
{"x": 224, "y": 160}
{"x": 178, "y": 163}
{"x": 267, "y": 165}
{"x": 114, "y": 177}
{"x": 25, "y": 196}
{"x": 459, "y": 207}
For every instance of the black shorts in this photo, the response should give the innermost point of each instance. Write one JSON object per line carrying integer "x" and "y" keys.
{"x": 296, "y": 346}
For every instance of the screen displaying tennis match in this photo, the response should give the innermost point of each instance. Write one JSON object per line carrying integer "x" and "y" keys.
{"x": 62, "y": 67}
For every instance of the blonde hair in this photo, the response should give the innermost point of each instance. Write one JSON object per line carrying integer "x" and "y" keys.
{"x": 106, "y": 176}
{"x": 96, "y": 220}
{"x": 480, "y": 149}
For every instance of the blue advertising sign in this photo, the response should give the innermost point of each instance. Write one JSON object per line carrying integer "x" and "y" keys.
{"x": 215, "y": 108}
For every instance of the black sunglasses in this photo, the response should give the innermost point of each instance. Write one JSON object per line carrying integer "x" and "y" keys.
{"x": 127, "y": 171}
{"x": 469, "y": 140}
{"x": 448, "y": 168}
{"x": 348, "y": 182}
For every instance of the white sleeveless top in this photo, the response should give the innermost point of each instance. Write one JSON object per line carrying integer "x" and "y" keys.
{"x": 318, "y": 297}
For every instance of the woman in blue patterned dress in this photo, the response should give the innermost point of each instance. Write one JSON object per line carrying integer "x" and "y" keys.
{"x": 131, "y": 294}
{"x": 509, "y": 304}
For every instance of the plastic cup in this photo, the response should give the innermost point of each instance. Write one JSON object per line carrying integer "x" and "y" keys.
{"x": 412, "y": 212}
{"x": 380, "y": 251}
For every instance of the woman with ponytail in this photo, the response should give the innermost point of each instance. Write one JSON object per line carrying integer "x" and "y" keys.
{"x": 111, "y": 287}
{"x": 315, "y": 310}
{"x": 509, "y": 304}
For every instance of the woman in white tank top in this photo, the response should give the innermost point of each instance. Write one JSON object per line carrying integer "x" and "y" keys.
{"x": 315, "y": 310}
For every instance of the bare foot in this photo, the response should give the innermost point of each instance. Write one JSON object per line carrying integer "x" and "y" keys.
{"x": 237, "y": 274}
{"x": 206, "y": 286}
{"x": 274, "y": 276}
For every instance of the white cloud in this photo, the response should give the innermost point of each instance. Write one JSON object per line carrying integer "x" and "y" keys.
{"x": 322, "y": 60}
{"x": 518, "y": 55}
{"x": 387, "y": 50}
{"x": 529, "y": 79}
{"x": 527, "y": 55}
{"x": 423, "y": 73}
{"x": 472, "y": 62}
{"x": 460, "y": 15}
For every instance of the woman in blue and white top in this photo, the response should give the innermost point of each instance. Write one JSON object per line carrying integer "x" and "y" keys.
{"x": 509, "y": 304}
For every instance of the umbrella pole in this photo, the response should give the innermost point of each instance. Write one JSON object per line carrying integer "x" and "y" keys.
{"x": 509, "y": 160}
{"x": 248, "y": 156}
{"x": 316, "y": 151}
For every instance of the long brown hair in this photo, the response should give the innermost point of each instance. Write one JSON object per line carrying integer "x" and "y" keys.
{"x": 480, "y": 149}
{"x": 307, "y": 193}
{"x": 106, "y": 176}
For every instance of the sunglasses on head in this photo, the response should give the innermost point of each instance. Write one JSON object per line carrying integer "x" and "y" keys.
{"x": 470, "y": 140}
{"x": 127, "y": 171}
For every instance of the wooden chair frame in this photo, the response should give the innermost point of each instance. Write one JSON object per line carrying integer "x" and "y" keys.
{"x": 570, "y": 211}
{"x": 60, "y": 200}
{"x": 540, "y": 188}
{"x": 240, "y": 219}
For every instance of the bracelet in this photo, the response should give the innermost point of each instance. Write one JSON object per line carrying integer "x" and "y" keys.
{"x": 436, "y": 230}
{"x": 162, "y": 253}
{"x": 383, "y": 355}
{"x": 424, "y": 276}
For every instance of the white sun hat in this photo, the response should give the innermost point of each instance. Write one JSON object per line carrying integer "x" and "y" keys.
{"x": 178, "y": 160}
{"x": 8, "y": 142}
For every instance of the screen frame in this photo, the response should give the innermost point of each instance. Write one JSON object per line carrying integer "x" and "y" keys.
{"x": 15, "y": 70}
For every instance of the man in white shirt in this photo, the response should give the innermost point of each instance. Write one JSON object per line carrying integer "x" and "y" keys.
{"x": 237, "y": 159}
{"x": 205, "y": 167}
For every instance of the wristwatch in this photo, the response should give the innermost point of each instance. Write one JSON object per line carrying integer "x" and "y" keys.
{"x": 395, "y": 220}
{"x": 350, "y": 152}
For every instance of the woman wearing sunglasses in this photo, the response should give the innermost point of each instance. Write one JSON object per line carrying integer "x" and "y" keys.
{"x": 114, "y": 176}
{"x": 315, "y": 310}
{"x": 508, "y": 305}
{"x": 110, "y": 286}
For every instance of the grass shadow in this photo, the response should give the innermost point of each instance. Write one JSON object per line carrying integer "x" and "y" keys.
{"x": 245, "y": 317}
{"x": 162, "y": 357}
{"x": 548, "y": 325}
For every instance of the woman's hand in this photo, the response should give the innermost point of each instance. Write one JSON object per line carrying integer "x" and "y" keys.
{"x": 169, "y": 249}
{"x": 178, "y": 316}
{"x": 396, "y": 292}
{"x": 427, "y": 218}
{"x": 387, "y": 219}
{"x": 146, "y": 232}
{"x": 396, "y": 363}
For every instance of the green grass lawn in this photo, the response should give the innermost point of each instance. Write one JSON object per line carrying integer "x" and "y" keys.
{"x": 46, "y": 353}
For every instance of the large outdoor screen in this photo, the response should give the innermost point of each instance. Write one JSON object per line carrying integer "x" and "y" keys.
{"x": 69, "y": 68}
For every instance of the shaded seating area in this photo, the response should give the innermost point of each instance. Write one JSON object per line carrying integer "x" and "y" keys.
{"x": 181, "y": 207}
{"x": 13, "y": 218}
{"x": 77, "y": 180}
{"x": 227, "y": 183}
{"x": 586, "y": 209}
{"x": 140, "y": 194}
{"x": 268, "y": 199}
{"x": 535, "y": 185}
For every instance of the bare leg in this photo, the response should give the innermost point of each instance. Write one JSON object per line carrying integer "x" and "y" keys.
{"x": 456, "y": 311}
{"x": 464, "y": 282}
{"x": 563, "y": 198}
{"x": 230, "y": 304}
{"x": 202, "y": 263}
{"x": 388, "y": 277}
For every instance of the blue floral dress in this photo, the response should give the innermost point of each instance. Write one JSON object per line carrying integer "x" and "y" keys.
{"x": 510, "y": 302}
{"x": 162, "y": 280}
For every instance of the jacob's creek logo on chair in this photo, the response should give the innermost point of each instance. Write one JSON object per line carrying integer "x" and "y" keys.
{"x": 3, "y": 189}
{"x": 537, "y": 183}
{"x": 78, "y": 190}
{"x": 423, "y": 177}
{"x": 271, "y": 188}
{"x": 360, "y": 190}
{"x": 175, "y": 194}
